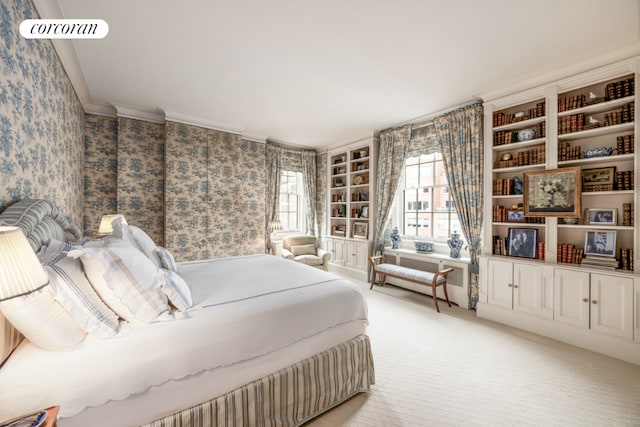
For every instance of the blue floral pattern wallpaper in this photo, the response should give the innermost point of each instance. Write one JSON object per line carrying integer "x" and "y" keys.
{"x": 100, "y": 170}
{"x": 41, "y": 120}
{"x": 140, "y": 175}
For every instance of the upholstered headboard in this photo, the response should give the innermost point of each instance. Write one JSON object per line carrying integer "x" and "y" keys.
{"x": 40, "y": 220}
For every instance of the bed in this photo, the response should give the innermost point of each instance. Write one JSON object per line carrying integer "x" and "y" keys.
{"x": 263, "y": 341}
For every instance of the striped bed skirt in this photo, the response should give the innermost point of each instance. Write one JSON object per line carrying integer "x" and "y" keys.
{"x": 289, "y": 397}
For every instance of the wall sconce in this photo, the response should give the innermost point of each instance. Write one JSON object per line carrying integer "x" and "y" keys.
{"x": 106, "y": 228}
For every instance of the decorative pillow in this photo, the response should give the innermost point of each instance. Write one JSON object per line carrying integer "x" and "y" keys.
{"x": 138, "y": 238}
{"x": 167, "y": 261}
{"x": 42, "y": 320}
{"x": 72, "y": 289}
{"x": 127, "y": 281}
{"x": 177, "y": 290}
{"x": 309, "y": 249}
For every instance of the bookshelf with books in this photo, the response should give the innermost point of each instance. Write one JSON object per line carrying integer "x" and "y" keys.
{"x": 351, "y": 178}
{"x": 585, "y": 120}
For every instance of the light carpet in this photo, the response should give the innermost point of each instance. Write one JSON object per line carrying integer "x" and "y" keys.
{"x": 453, "y": 369}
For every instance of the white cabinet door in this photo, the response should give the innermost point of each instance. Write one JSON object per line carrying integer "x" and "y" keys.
{"x": 356, "y": 254}
{"x": 636, "y": 299}
{"x": 339, "y": 252}
{"x": 571, "y": 297}
{"x": 500, "y": 283}
{"x": 527, "y": 288}
{"x": 612, "y": 305}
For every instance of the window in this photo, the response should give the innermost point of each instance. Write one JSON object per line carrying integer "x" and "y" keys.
{"x": 291, "y": 210}
{"x": 427, "y": 210}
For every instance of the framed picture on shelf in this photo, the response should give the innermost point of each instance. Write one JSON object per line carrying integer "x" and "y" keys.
{"x": 601, "y": 216}
{"x": 555, "y": 192}
{"x": 360, "y": 230}
{"x": 522, "y": 242}
{"x": 600, "y": 243}
{"x": 599, "y": 176}
{"x": 515, "y": 215}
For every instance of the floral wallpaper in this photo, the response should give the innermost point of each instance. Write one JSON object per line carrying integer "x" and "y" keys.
{"x": 101, "y": 170}
{"x": 140, "y": 175}
{"x": 214, "y": 193}
{"x": 41, "y": 120}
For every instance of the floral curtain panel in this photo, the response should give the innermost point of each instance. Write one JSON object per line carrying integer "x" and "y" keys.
{"x": 309, "y": 180}
{"x": 273, "y": 161}
{"x": 394, "y": 145}
{"x": 459, "y": 134}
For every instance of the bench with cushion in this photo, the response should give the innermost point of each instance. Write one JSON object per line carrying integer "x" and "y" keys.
{"x": 411, "y": 275}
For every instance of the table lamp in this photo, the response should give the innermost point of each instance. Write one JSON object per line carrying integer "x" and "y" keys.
{"x": 20, "y": 270}
{"x": 106, "y": 228}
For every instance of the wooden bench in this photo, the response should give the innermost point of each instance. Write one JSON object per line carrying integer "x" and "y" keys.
{"x": 411, "y": 275}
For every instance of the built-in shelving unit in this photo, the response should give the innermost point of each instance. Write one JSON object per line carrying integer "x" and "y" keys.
{"x": 351, "y": 178}
{"x": 586, "y": 121}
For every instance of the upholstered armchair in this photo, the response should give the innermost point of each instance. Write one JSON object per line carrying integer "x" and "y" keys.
{"x": 304, "y": 249}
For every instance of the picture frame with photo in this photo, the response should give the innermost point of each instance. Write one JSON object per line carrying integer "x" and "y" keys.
{"x": 601, "y": 216}
{"x": 515, "y": 215}
{"x": 598, "y": 176}
{"x": 360, "y": 230}
{"x": 600, "y": 243}
{"x": 522, "y": 242}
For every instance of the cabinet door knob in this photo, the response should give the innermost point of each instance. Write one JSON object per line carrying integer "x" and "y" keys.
{"x": 585, "y": 299}
{"x": 594, "y": 302}
{"x": 515, "y": 286}
{"x": 510, "y": 285}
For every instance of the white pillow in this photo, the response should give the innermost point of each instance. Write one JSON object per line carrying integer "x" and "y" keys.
{"x": 177, "y": 290}
{"x": 138, "y": 238}
{"x": 167, "y": 260}
{"x": 72, "y": 289}
{"x": 127, "y": 281}
{"x": 309, "y": 249}
{"x": 43, "y": 321}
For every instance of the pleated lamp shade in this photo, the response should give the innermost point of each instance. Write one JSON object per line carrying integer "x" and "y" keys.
{"x": 105, "y": 223}
{"x": 20, "y": 270}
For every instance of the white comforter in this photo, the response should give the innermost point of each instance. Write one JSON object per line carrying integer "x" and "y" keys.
{"x": 247, "y": 307}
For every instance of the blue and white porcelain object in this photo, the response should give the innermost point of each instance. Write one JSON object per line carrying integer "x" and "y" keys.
{"x": 423, "y": 246}
{"x": 526, "y": 134}
{"x": 395, "y": 238}
{"x": 455, "y": 244}
{"x": 598, "y": 152}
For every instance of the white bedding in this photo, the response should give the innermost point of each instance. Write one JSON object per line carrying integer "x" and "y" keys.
{"x": 249, "y": 310}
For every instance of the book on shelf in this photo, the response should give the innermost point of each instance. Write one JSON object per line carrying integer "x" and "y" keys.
{"x": 610, "y": 263}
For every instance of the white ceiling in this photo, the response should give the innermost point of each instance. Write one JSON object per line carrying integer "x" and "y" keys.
{"x": 319, "y": 73}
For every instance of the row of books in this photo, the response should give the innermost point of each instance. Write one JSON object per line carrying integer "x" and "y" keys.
{"x": 568, "y": 152}
{"x": 620, "y": 89}
{"x": 505, "y": 187}
{"x": 503, "y": 137}
{"x": 625, "y": 180}
{"x": 589, "y": 188}
{"x": 624, "y": 144}
{"x": 571, "y": 102}
{"x": 339, "y": 230}
{"x": 541, "y": 249}
{"x": 626, "y": 259}
{"x": 502, "y": 214}
{"x": 569, "y": 254}
{"x": 621, "y": 115}
{"x": 534, "y": 156}
{"x": 627, "y": 214}
{"x": 501, "y": 118}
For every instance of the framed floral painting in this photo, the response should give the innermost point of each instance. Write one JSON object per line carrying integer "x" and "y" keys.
{"x": 555, "y": 192}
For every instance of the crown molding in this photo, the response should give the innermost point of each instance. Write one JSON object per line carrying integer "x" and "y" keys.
{"x": 539, "y": 79}
{"x": 128, "y": 112}
{"x": 198, "y": 121}
{"x": 98, "y": 109}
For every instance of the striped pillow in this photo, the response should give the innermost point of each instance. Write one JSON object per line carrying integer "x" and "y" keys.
{"x": 126, "y": 280}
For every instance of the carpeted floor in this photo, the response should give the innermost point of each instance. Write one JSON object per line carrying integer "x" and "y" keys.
{"x": 452, "y": 369}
